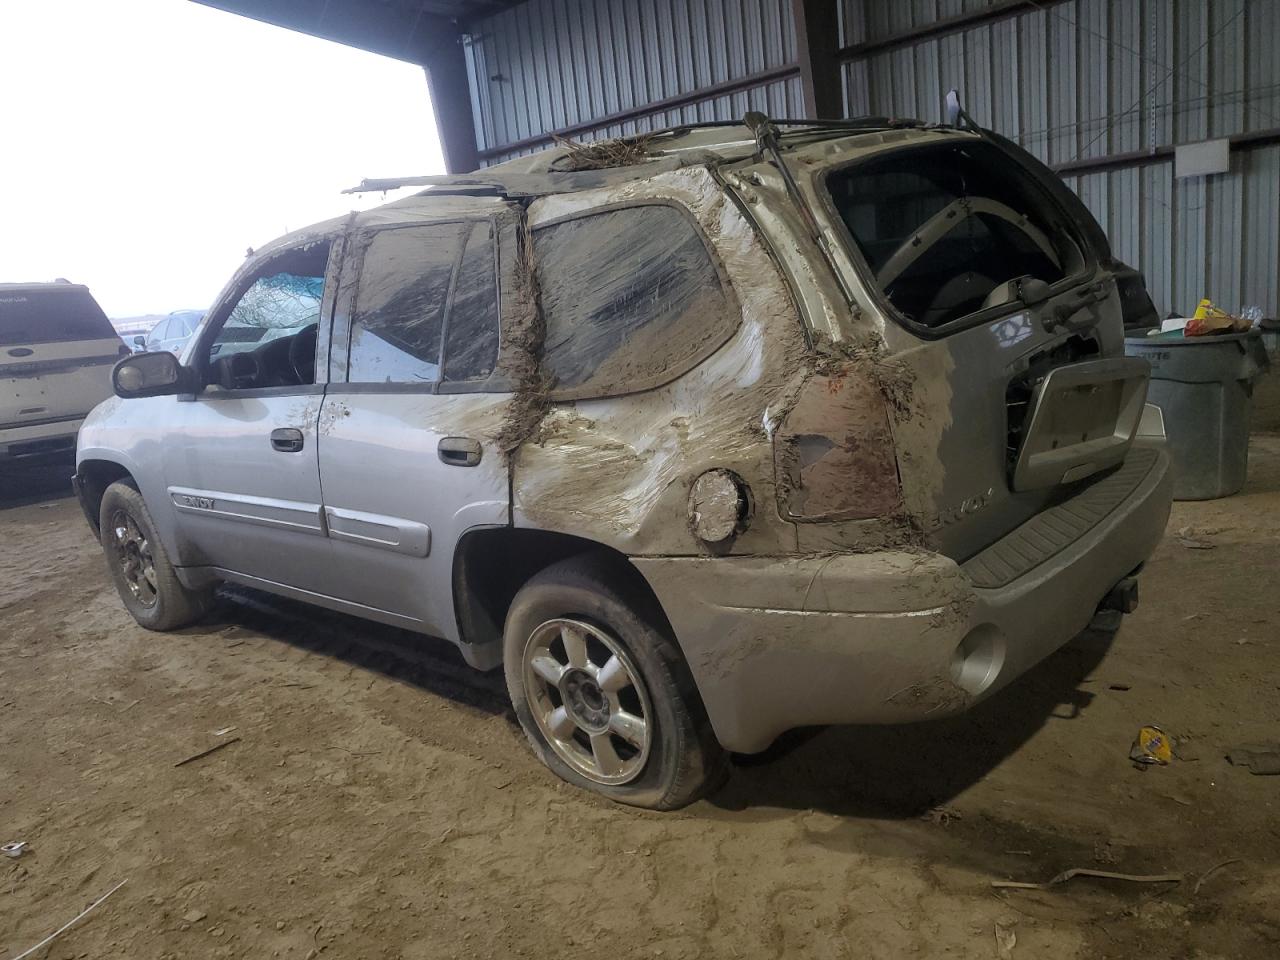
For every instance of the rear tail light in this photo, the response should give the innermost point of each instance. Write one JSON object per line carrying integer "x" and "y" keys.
{"x": 833, "y": 451}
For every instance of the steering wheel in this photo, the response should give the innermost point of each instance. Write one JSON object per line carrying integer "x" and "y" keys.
{"x": 302, "y": 354}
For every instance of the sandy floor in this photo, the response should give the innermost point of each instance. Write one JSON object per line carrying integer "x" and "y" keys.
{"x": 381, "y": 803}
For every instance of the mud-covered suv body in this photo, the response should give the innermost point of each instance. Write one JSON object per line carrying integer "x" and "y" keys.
{"x": 694, "y": 378}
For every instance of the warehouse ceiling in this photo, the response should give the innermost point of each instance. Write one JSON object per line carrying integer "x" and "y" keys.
{"x": 409, "y": 30}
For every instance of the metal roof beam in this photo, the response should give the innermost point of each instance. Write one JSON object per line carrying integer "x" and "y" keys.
{"x": 403, "y": 31}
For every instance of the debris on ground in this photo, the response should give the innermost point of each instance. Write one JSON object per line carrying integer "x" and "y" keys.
{"x": 1261, "y": 759}
{"x": 1196, "y": 543}
{"x": 1086, "y": 872}
{"x": 14, "y": 849}
{"x": 1151, "y": 746}
{"x": 205, "y": 753}
{"x": 194, "y": 916}
{"x": 1104, "y": 851}
{"x": 1006, "y": 939}
{"x": 67, "y": 926}
{"x": 1211, "y": 871}
{"x": 941, "y": 816}
{"x": 1194, "y": 539}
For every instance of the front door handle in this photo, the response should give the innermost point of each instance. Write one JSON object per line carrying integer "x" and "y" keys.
{"x": 459, "y": 451}
{"x": 286, "y": 439}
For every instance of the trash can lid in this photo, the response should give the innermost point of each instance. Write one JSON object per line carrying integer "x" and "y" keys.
{"x": 1176, "y": 339}
{"x": 1239, "y": 356}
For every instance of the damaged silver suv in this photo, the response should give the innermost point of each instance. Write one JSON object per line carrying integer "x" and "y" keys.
{"x": 712, "y": 434}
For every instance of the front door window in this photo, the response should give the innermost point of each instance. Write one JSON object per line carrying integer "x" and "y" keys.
{"x": 268, "y": 338}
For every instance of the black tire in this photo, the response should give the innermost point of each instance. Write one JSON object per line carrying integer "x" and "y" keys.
{"x": 158, "y": 601}
{"x": 683, "y": 761}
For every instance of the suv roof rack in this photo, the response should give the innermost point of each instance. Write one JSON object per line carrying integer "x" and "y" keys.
{"x": 494, "y": 181}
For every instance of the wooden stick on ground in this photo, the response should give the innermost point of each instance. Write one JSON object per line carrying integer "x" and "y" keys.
{"x": 1211, "y": 871}
{"x": 67, "y": 926}
{"x": 1086, "y": 872}
{"x": 205, "y": 753}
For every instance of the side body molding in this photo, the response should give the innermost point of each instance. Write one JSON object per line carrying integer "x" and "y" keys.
{"x": 375, "y": 530}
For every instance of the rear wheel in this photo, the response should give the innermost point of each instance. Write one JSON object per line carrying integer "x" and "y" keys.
{"x": 603, "y": 693}
{"x": 140, "y": 568}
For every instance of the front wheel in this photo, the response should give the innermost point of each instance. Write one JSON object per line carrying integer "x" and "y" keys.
{"x": 603, "y": 693}
{"x": 140, "y": 568}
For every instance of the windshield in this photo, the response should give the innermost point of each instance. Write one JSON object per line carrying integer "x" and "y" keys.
{"x": 947, "y": 229}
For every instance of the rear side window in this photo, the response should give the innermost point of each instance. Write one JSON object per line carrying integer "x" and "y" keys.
{"x": 632, "y": 299}
{"x": 426, "y": 294}
{"x": 945, "y": 229}
{"x": 52, "y": 315}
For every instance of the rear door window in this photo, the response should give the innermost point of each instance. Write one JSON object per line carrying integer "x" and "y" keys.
{"x": 53, "y": 315}
{"x": 632, "y": 299}
{"x": 398, "y": 324}
{"x": 945, "y": 230}
{"x": 471, "y": 343}
{"x": 427, "y": 301}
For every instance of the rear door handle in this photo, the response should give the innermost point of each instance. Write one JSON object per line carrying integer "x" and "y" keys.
{"x": 459, "y": 451}
{"x": 287, "y": 439}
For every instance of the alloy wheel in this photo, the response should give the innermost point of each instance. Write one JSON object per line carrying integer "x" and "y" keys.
{"x": 588, "y": 700}
{"x": 133, "y": 554}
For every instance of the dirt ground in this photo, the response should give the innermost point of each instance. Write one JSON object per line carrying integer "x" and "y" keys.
{"x": 381, "y": 803}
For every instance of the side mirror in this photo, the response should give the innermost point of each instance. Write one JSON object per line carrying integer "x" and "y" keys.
{"x": 140, "y": 341}
{"x": 149, "y": 375}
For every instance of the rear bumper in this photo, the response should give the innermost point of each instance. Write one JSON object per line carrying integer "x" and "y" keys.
{"x": 889, "y": 637}
{"x": 46, "y": 438}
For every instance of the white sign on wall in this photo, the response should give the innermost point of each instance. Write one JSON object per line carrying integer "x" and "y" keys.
{"x": 1199, "y": 159}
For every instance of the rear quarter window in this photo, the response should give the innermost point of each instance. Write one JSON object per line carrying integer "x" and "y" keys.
{"x": 51, "y": 316}
{"x": 632, "y": 299}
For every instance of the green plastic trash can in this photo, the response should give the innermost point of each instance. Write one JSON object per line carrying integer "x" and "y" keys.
{"x": 1204, "y": 386}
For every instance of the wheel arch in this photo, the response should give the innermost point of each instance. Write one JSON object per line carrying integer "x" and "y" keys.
{"x": 491, "y": 564}
{"x": 93, "y": 476}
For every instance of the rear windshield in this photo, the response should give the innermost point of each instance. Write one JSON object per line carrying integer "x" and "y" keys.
{"x": 946, "y": 230}
{"x": 51, "y": 316}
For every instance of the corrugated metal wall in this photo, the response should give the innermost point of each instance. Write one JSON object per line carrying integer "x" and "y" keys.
{"x": 1215, "y": 236}
{"x": 1086, "y": 79}
{"x": 1071, "y": 80}
{"x": 549, "y": 65}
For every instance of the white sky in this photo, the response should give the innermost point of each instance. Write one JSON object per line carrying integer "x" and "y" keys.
{"x": 148, "y": 143}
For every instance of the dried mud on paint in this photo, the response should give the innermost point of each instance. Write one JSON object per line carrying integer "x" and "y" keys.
{"x": 894, "y": 378}
{"x": 528, "y": 335}
{"x": 842, "y": 364}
